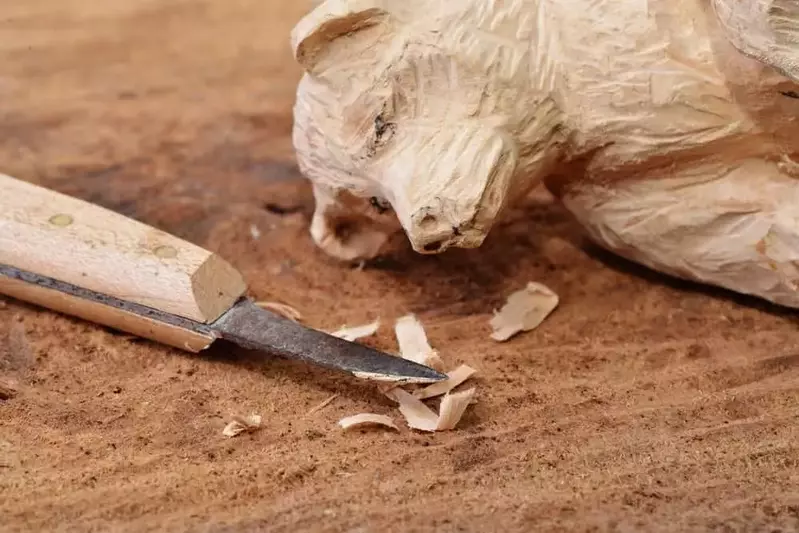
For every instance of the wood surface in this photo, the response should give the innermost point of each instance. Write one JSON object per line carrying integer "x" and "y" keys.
{"x": 64, "y": 238}
{"x": 640, "y": 404}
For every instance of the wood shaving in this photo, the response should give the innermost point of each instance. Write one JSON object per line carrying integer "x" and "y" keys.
{"x": 524, "y": 310}
{"x": 414, "y": 346}
{"x": 413, "y": 343}
{"x": 365, "y": 419}
{"x": 240, "y": 424}
{"x": 419, "y": 416}
{"x": 357, "y": 332}
{"x": 281, "y": 309}
{"x": 322, "y": 405}
{"x": 456, "y": 377}
{"x": 452, "y": 408}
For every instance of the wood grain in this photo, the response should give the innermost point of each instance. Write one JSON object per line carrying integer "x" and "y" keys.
{"x": 70, "y": 240}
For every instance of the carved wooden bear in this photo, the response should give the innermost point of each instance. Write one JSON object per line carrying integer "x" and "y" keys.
{"x": 667, "y": 127}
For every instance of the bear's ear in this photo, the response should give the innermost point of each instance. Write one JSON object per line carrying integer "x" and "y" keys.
{"x": 329, "y": 21}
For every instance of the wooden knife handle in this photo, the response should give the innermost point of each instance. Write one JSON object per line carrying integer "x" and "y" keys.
{"x": 53, "y": 235}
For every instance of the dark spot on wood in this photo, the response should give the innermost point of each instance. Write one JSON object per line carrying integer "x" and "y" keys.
{"x": 16, "y": 354}
{"x": 455, "y": 231}
{"x": 779, "y": 364}
{"x": 382, "y": 127}
{"x": 428, "y": 220}
{"x": 388, "y": 264}
{"x": 433, "y": 246}
{"x": 472, "y": 453}
{"x": 698, "y": 351}
{"x": 344, "y": 230}
{"x": 313, "y": 434}
{"x": 790, "y": 94}
{"x": 7, "y": 391}
{"x": 379, "y": 204}
{"x": 282, "y": 210}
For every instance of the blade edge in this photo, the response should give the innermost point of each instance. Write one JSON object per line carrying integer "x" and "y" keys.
{"x": 255, "y": 328}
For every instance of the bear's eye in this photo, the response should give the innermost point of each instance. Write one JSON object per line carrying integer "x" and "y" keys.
{"x": 383, "y": 129}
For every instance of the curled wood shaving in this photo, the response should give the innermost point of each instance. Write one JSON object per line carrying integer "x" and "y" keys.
{"x": 239, "y": 424}
{"x": 419, "y": 416}
{"x": 281, "y": 309}
{"x": 456, "y": 377}
{"x": 524, "y": 311}
{"x": 365, "y": 419}
{"x": 356, "y": 332}
{"x": 452, "y": 408}
{"x": 413, "y": 342}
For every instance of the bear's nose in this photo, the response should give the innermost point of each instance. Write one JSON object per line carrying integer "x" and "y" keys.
{"x": 433, "y": 234}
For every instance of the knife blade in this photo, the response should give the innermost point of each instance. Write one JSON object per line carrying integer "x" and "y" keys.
{"x": 80, "y": 259}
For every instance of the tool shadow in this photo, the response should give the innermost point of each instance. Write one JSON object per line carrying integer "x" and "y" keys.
{"x": 537, "y": 241}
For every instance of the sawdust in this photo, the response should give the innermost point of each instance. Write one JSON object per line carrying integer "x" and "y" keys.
{"x": 648, "y": 405}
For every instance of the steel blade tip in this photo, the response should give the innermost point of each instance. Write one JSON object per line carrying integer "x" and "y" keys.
{"x": 255, "y": 328}
{"x": 425, "y": 374}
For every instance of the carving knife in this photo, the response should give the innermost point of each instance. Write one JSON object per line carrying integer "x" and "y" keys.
{"x": 80, "y": 259}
